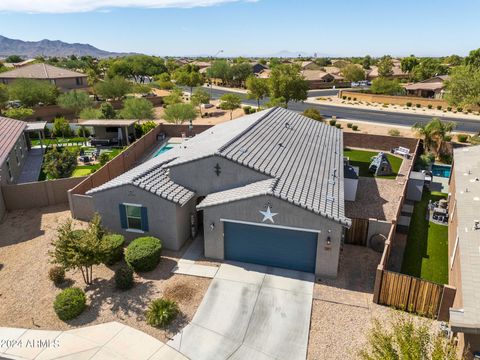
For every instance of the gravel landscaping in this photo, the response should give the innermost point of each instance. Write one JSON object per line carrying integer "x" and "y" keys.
{"x": 27, "y": 294}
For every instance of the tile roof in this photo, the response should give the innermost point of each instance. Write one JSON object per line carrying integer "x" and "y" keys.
{"x": 40, "y": 71}
{"x": 303, "y": 156}
{"x": 10, "y": 131}
{"x": 258, "y": 188}
{"x": 466, "y": 171}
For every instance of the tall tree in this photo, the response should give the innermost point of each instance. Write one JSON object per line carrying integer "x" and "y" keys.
{"x": 199, "y": 98}
{"x": 230, "y": 102}
{"x": 180, "y": 113}
{"x": 286, "y": 82}
{"x": 59, "y": 164}
{"x": 408, "y": 63}
{"x": 434, "y": 134}
{"x": 75, "y": 101}
{"x": 473, "y": 58}
{"x": 188, "y": 76}
{"x": 386, "y": 86}
{"x": 3, "y": 95}
{"x": 257, "y": 88}
{"x": 463, "y": 87}
{"x": 353, "y": 72}
{"x": 427, "y": 68}
{"x": 137, "y": 108}
{"x": 32, "y": 92}
{"x": 367, "y": 62}
{"x": 220, "y": 69}
{"x": 240, "y": 72}
{"x": 113, "y": 88}
{"x": 385, "y": 66}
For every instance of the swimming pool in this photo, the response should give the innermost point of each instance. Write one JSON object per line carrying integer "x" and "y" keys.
{"x": 163, "y": 149}
{"x": 441, "y": 170}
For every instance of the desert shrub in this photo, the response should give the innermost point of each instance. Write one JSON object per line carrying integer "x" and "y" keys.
{"x": 439, "y": 107}
{"x": 394, "y": 132}
{"x": 349, "y": 98}
{"x": 246, "y": 109}
{"x": 113, "y": 248}
{"x": 462, "y": 138}
{"x": 56, "y": 274}
{"x": 355, "y": 127}
{"x": 349, "y": 125}
{"x": 354, "y": 99}
{"x": 104, "y": 158}
{"x": 161, "y": 312}
{"x": 418, "y": 105}
{"x": 143, "y": 254}
{"x": 332, "y": 122}
{"x": 408, "y": 104}
{"x": 70, "y": 303}
{"x": 124, "y": 278}
{"x": 313, "y": 113}
{"x": 344, "y": 97}
{"x": 469, "y": 111}
{"x": 459, "y": 109}
{"x": 449, "y": 108}
{"x": 429, "y": 106}
{"x": 338, "y": 126}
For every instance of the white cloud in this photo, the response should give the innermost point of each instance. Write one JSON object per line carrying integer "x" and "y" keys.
{"x": 72, "y": 6}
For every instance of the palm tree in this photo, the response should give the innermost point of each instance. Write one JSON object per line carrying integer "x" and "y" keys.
{"x": 434, "y": 133}
{"x": 426, "y": 132}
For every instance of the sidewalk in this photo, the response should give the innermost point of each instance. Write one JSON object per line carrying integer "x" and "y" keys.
{"x": 109, "y": 341}
{"x": 32, "y": 167}
{"x": 187, "y": 266}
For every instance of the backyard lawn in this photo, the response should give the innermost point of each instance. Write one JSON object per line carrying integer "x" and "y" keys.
{"x": 426, "y": 253}
{"x": 84, "y": 170}
{"x": 361, "y": 158}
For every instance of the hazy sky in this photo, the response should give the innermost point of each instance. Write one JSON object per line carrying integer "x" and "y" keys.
{"x": 240, "y": 27}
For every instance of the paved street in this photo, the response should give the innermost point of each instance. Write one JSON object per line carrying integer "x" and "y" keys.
{"x": 373, "y": 116}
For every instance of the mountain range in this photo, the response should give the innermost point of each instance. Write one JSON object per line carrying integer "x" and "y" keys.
{"x": 50, "y": 48}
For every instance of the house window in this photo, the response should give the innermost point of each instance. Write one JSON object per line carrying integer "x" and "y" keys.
{"x": 9, "y": 170}
{"x": 133, "y": 217}
{"x": 16, "y": 157}
{"x": 79, "y": 81}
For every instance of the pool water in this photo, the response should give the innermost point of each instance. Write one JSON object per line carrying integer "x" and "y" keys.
{"x": 163, "y": 149}
{"x": 441, "y": 170}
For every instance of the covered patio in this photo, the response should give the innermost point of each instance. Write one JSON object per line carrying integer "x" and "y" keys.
{"x": 111, "y": 132}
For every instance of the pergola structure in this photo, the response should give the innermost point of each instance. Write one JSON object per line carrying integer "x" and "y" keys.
{"x": 36, "y": 127}
{"x": 105, "y": 128}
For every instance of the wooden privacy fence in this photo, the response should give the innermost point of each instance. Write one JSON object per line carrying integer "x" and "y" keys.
{"x": 410, "y": 294}
{"x": 358, "y": 232}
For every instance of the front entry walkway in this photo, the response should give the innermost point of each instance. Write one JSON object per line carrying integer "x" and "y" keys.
{"x": 32, "y": 167}
{"x": 109, "y": 341}
{"x": 250, "y": 312}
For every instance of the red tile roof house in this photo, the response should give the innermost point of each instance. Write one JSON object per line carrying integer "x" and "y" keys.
{"x": 13, "y": 149}
{"x": 432, "y": 88}
{"x": 64, "y": 79}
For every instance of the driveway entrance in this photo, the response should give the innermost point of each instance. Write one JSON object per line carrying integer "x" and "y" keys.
{"x": 250, "y": 312}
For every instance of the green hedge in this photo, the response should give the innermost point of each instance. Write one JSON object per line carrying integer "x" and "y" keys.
{"x": 114, "y": 248}
{"x": 70, "y": 303}
{"x": 143, "y": 254}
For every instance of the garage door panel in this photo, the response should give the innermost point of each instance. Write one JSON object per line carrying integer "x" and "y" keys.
{"x": 270, "y": 246}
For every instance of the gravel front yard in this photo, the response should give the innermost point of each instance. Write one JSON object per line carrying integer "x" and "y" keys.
{"x": 27, "y": 295}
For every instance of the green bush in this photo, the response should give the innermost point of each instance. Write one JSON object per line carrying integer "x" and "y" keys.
{"x": 429, "y": 106}
{"x": 124, "y": 278}
{"x": 349, "y": 98}
{"x": 439, "y": 107}
{"x": 409, "y": 104}
{"x": 332, "y": 122}
{"x": 143, "y": 254}
{"x": 463, "y": 138}
{"x": 113, "y": 248}
{"x": 161, "y": 312}
{"x": 104, "y": 158}
{"x": 394, "y": 132}
{"x": 70, "y": 303}
{"x": 355, "y": 127}
{"x": 418, "y": 105}
{"x": 449, "y": 108}
{"x": 349, "y": 125}
{"x": 354, "y": 99}
{"x": 57, "y": 274}
{"x": 344, "y": 97}
{"x": 246, "y": 109}
{"x": 459, "y": 109}
{"x": 338, "y": 126}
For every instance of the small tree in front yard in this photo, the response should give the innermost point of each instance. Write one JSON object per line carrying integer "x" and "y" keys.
{"x": 180, "y": 113}
{"x": 73, "y": 249}
{"x": 406, "y": 340}
{"x": 200, "y": 97}
{"x": 230, "y": 102}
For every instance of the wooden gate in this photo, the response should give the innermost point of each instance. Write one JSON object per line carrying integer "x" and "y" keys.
{"x": 358, "y": 232}
{"x": 411, "y": 294}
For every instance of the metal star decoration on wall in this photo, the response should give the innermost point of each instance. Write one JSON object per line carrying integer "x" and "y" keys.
{"x": 268, "y": 215}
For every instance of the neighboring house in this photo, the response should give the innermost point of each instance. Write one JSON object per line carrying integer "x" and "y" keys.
{"x": 464, "y": 246}
{"x": 397, "y": 73}
{"x": 201, "y": 64}
{"x": 257, "y": 68}
{"x": 13, "y": 149}
{"x": 64, "y": 79}
{"x": 267, "y": 188}
{"x": 309, "y": 65}
{"x": 318, "y": 79}
{"x": 264, "y": 74}
{"x": 432, "y": 88}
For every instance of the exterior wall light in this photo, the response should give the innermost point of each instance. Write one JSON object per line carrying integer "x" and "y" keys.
{"x": 212, "y": 226}
{"x": 329, "y": 241}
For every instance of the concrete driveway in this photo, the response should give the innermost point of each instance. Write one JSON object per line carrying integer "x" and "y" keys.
{"x": 250, "y": 312}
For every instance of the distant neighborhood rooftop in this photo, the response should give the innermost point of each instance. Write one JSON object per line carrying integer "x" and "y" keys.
{"x": 40, "y": 71}
{"x": 467, "y": 196}
{"x": 10, "y": 131}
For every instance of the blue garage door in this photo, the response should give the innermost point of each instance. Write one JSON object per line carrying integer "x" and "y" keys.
{"x": 276, "y": 247}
